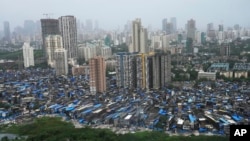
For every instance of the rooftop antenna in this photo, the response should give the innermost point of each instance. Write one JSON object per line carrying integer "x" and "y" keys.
{"x": 48, "y": 15}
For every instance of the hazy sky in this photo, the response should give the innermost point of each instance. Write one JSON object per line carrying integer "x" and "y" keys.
{"x": 112, "y": 14}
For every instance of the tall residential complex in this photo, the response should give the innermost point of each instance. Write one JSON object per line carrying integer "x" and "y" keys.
{"x": 6, "y": 26}
{"x": 68, "y": 30}
{"x": 97, "y": 75}
{"x": 61, "y": 61}
{"x": 52, "y": 42}
{"x": 139, "y": 38}
{"x": 158, "y": 70}
{"x": 191, "y": 29}
{"x": 49, "y": 27}
{"x": 87, "y": 51}
{"x": 28, "y": 55}
{"x": 124, "y": 69}
{"x": 145, "y": 70}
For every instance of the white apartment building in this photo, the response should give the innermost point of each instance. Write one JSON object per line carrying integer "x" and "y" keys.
{"x": 52, "y": 42}
{"x": 68, "y": 30}
{"x": 87, "y": 51}
{"x": 139, "y": 38}
{"x": 28, "y": 55}
{"x": 106, "y": 52}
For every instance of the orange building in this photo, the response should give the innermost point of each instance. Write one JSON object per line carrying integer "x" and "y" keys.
{"x": 97, "y": 74}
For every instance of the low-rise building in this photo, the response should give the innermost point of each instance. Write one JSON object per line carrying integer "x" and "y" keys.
{"x": 207, "y": 75}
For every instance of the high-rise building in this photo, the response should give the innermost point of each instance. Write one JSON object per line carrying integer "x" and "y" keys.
{"x": 144, "y": 48}
{"x": 139, "y": 38}
{"x": 28, "y": 55}
{"x": 210, "y": 31}
{"x": 52, "y": 42}
{"x": 203, "y": 37}
{"x": 174, "y": 23}
{"x": 6, "y": 26}
{"x": 225, "y": 50}
{"x": 49, "y": 27}
{"x": 169, "y": 28}
{"x": 191, "y": 27}
{"x": 87, "y": 51}
{"x": 165, "y": 43}
{"x": 198, "y": 37}
{"x": 164, "y": 24}
{"x": 210, "y": 26}
{"x": 97, "y": 74}
{"x": 106, "y": 52}
{"x": 68, "y": 30}
{"x": 158, "y": 70}
{"x": 136, "y": 26}
{"x": 61, "y": 61}
{"x": 221, "y": 27}
{"x": 125, "y": 70}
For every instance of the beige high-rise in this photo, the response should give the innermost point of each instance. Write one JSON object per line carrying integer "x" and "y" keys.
{"x": 97, "y": 74}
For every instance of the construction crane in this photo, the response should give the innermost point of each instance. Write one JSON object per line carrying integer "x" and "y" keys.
{"x": 48, "y": 15}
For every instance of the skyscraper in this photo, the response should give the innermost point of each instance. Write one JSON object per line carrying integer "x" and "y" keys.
{"x": 191, "y": 29}
{"x": 139, "y": 38}
{"x": 97, "y": 74}
{"x": 52, "y": 42}
{"x": 158, "y": 70}
{"x": 136, "y": 26}
{"x": 169, "y": 28}
{"x": 6, "y": 26}
{"x": 144, "y": 48}
{"x": 221, "y": 27}
{"x": 61, "y": 61}
{"x": 210, "y": 31}
{"x": 49, "y": 27}
{"x": 164, "y": 24}
{"x": 173, "y": 21}
{"x": 125, "y": 70}
{"x": 28, "y": 55}
{"x": 68, "y": 30}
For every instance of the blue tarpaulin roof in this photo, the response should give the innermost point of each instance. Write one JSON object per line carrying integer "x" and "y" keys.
{"x": 191, "y": 118}
{"x": 70, "y": 108}
{"x": 87, "y": 111}
{"x": 97, "y": 105}
{"x": 236, "y": 117}
{"x": 162, "y": 112}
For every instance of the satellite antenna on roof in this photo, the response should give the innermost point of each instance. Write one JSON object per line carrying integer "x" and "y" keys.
{"x": 48, "y": 15}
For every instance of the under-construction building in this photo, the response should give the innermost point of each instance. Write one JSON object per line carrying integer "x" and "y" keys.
{"x": 49, "y": 27}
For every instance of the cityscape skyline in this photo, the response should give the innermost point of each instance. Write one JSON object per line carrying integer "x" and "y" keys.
{"x": 112, "y": 14}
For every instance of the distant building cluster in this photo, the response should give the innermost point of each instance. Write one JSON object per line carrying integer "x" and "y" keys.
{"x": 93, "y": 49}
{"x": 140, "y": 67}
